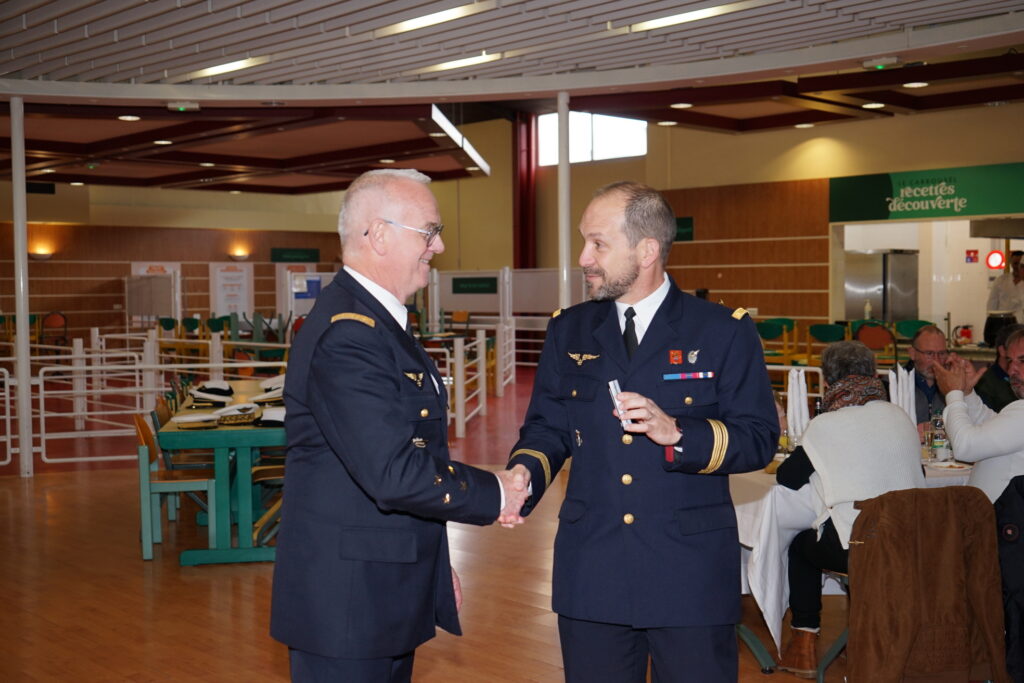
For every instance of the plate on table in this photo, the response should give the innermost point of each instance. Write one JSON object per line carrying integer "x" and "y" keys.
{"x": 195, "y": 421}
{"x": 949, "y": 466}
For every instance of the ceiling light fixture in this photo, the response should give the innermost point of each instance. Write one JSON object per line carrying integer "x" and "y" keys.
{"x": 162, "y": 142}
{"x": 438, "y": 135}
{"x": 207, "y": 164}
{"x": 680, "y": 105}
{"x": 238, "y": 254}
{"x": 915, "y": 84}
{"x": 49, "y": 170}
{"x": 128, "y": 117}
{"x": 872, "y": 105}
{"x": 668, "y": 123}
{"x": 483, "y": 58}
{"x": 472, "y": 168}
{"x": 804, "y": 125}
{"x": 228, "y": 67}
{"x": 77, "y": 184}
{"x": 387, "y": 161}
{"x": 699, "y": 14}
{"x": 435, "y": 18}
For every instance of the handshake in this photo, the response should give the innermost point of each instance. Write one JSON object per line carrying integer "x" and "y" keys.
{"x": 516, "y": 485}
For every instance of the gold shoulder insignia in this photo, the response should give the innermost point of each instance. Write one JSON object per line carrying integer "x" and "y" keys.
{"x": 556, "y": 313}
{"x": 739, "y": 313}
{"x": 581, "y": 357}
{"x": 358, "y": 317}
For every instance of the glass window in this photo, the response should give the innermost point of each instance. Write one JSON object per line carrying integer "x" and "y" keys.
{"x": 591, "y": 137}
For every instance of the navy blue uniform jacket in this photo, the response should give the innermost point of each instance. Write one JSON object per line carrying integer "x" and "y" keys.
{"x": 645, "y": 539}
{"x": 362, "y": 565}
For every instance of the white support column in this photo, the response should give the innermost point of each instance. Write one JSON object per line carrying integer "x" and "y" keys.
{"x": 460, "y": 387}
{"x": 481, "y": 364}
{"x": 564, "y": 203}
{"x": 78, "y": 384}
{"x": 96, "y": 347}
{"x": 216, "y": 356}
{"x": 22, "y": 367}
{"x": 501, "y": 332}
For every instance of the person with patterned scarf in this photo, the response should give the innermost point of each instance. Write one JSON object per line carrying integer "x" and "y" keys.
{"x": 860, "y": 447}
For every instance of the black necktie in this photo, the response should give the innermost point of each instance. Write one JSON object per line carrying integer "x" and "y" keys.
{"x": 629, "y": 334}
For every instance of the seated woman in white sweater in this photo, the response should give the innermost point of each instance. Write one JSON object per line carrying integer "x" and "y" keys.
{"x": 860, "y": 447}
{"x": 994, "y": 442}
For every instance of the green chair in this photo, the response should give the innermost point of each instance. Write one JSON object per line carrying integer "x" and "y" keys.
{"x": 156, "y": 485}
{"x": 822, "y": 333}
{"x": 906, "y": 329}
{"x": 775, "y": 332}
{"x": 856, "y": 325}
{"x": 168, "y": 324}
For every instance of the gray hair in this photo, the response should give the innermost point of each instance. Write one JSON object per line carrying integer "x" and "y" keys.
{"x": 843, "y": 358}
{"x": 378, "y": 180}
{"x": 647, "y": 214}
{"x": 926, "y": 329}
{"x": 1014, "y": 337}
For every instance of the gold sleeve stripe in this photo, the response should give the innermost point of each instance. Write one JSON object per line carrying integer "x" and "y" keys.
{"x": 739, "y": 313}
{"x": 721, "y": 445}
{"x": 543, "y": 462}
{"x": 359, "y": 317}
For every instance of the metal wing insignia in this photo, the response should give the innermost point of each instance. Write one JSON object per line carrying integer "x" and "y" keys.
{"x": 581, "y": 358}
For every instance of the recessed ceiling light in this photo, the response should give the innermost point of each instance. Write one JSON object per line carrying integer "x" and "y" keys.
{"x": 128, "y": 117}
{"x": 804, "y": 125}
{"x": 872, "y": 105}
{"x": 162, "y": 142}
{"x": 915, "y": 84}
{"x": 438, "y": 135}
{"x": 206, "y": 164}
{"x": 387, "y": 161}
{"x": 668, "y": 123}
{"x": 472, "y": 168}
{"x": 235, "y": 192}
{"x": 680, "y": 105}
{"x": 49, "y": 170}
{"x": 77, "y": 184}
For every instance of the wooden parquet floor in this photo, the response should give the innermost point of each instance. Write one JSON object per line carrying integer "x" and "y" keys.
{"x": 79, "y": 604}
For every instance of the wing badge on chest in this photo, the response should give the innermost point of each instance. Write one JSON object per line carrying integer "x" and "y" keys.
{"x": 581, "y": 358}
{"x": 416, "y": 377}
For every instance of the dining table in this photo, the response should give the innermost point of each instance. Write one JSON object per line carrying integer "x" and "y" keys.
{"x": 234, "y": 448}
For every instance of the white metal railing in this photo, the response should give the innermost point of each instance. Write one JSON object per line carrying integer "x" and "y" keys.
{"x": 527, "y": 350}
{"x": 5, "y": 401}
{"x": 459, "y": 374}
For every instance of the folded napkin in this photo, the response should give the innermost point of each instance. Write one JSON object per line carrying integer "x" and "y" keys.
{"x": 208, "y": 398}
{"x": 186, "y": 419}
{"x": 272, "y": 417}
{"x": 272, "y": 395}
{"x": 237, "y": 409}
{"x": 217, "y": 387}
{"x": 797, "y": 415}
{"x": 272, "y": 383}
{"x": 902, "y": 391}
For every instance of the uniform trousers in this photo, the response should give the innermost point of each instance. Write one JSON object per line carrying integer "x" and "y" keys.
{"x": 808, "y": 556}
{"x": 307, "y": 667}
{"x": 612, "y": 653}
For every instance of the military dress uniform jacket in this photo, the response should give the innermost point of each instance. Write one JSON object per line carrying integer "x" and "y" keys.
{"x": 362, "y": 567}
{"x": 647, "y": 536}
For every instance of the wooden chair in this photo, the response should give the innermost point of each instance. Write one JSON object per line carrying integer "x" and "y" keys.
{"x": 179, "y": 460}
{"x": 823, "y": 333}
{"x": 460, "y": 321}
{"x": 54, "y": 329}
{"x": 879, "y": 339}
{"x": 156, "y": 484}
{"x": 775, "y": 332}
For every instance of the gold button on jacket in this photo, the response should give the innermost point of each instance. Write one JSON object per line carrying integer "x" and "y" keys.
{"x": 424, "y": 413}
{"x": 627, "y": 439}
{"x": 688, "y": 400}
{"x": 628, "y": 518}
{"x": 627, "y": 479}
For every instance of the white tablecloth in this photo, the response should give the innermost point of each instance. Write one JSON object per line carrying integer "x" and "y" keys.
{"x": 768, "y": 518}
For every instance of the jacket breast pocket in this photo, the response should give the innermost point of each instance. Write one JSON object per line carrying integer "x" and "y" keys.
{"x": 691, "y": 397}
{"x": 421, "y": 407}
{"x": 578, "y": 388}
{"x": 377, "y": 545}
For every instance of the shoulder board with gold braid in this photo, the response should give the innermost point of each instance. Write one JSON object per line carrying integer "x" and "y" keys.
{"x": 358, "y": 317}
{"x": 556, "y": 313}
{"x": 739, "y": 313}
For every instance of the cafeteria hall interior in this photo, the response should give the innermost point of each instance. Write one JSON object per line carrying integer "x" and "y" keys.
{"x": 165, "y": 225}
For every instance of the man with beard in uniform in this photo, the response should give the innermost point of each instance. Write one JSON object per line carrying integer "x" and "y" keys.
{"x": 647, "y": 558}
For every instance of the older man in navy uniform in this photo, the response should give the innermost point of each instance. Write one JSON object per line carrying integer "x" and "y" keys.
{"x": 646, "y": 556}
{"x": 362, "y": 574}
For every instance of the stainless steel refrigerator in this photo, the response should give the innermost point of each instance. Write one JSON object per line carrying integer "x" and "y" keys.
{"x": 888, "y": 279}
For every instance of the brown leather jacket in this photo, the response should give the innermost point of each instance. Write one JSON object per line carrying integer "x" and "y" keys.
{"x": 925, "y": 594}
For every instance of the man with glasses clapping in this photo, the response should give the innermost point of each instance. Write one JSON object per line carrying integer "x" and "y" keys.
{"x": 927, "y": 349}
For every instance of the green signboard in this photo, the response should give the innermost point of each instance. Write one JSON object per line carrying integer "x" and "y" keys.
{"x": 294, "y": 255}
{"x": 684, "y": 229}
{"x": 943, "y": 193}
{"x": 474, "y": 285}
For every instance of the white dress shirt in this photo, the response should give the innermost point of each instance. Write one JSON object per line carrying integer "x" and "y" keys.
{"x": 644, "y": 309}
{"x": 1007, "y": 296}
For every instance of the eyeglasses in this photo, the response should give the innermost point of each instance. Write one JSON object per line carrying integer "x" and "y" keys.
{"x": 932, "y": 354}
{"x": 429, "y": 234}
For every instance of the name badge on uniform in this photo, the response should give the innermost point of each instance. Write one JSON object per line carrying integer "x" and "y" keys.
{"x": 708, "y": 374}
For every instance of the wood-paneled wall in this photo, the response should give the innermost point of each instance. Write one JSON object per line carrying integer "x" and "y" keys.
{"x": 762, "y": 246}
{"x": 84, "y": 278}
